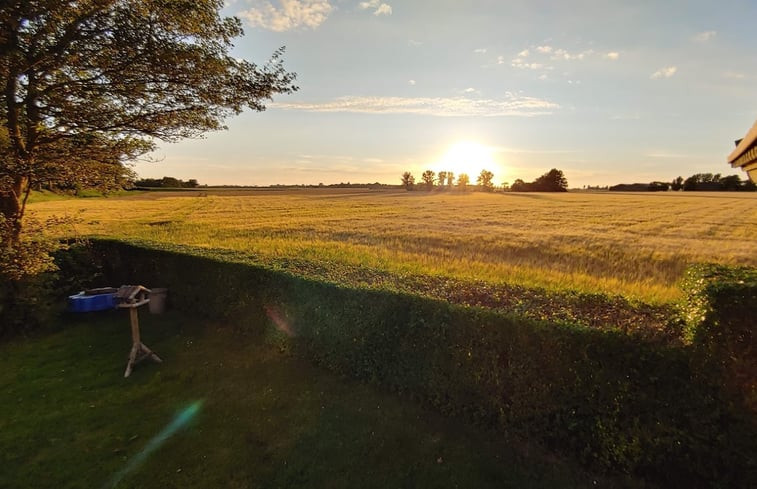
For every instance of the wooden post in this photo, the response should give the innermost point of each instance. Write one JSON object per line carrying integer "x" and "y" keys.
{"x": 138, "y": 349}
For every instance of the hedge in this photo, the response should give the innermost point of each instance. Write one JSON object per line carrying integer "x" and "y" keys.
{"x": 601, "y": 397}
{"x": 720, "y": 314}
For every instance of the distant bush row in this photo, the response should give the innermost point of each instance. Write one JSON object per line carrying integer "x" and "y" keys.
{"x": 612, "y": 402}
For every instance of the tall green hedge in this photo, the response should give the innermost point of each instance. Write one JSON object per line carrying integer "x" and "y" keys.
{"x": 610, "y": 401}
{"x": 720, "y": 313}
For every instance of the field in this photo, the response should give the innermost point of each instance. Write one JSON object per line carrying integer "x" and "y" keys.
{"x": 631, "y": 245}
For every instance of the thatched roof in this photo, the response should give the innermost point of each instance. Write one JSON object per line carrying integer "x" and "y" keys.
{"x": 745, "y": 154}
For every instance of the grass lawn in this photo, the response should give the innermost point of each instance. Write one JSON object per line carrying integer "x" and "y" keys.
{"x": 70, "y": 419}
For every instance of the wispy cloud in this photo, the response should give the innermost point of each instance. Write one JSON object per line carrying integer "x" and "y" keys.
{"x": 704, "y": 36}
{"x": 563, "y": 54}
{"x": 511, "y": 105}
{"x": 290, "y": 14}
{"x": 480, "y": 51}
{"x": 523, "y": 65}
{"x": 377, "y": 6}
{"x": 734, "y": 75}
{"x": 500, "y": 60}
{"x": 666, "y": 155}
{"x": 411, "y": 82}
{"x": 414, "y": 43}
{"x": 666, "y": 72}
{"x": 546, "y": 51}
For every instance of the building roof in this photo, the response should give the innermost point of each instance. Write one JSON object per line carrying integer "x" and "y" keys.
{"x": 745, "y": 154}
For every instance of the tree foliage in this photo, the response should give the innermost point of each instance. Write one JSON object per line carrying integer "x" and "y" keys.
{"x": 428, "y": 179}
{"x": 552, "y": 181}
{"x": 408, "y": 180}
{"x": 92, "y": 84}
{"x": 485, "y": 180}
{"x": 463, "y": 180}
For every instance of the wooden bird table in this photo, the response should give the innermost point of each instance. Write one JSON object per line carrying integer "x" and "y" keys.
{"x": 131, "y": 297}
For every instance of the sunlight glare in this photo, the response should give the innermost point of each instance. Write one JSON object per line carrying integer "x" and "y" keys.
{"x": 469, "y": 157}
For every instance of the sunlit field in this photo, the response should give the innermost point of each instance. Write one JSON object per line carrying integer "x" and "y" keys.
{"x": 634, "y": 245}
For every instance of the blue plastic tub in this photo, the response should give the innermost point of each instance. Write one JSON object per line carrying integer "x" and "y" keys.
{"x": 88, "y": 301}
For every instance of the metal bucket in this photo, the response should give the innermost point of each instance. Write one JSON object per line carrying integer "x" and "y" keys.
{"x": 157, "y": 303}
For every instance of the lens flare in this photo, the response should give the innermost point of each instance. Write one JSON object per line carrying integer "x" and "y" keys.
{"x": 179, "y": 422}
{"x": 278, "y": 319}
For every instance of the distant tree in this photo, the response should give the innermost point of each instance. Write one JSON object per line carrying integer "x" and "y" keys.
{"x": 428, "y": 179}
{"x": 677, "y": 184}
{"x": 506, "y": 186}
{"x": 730, "y": 183}
{"x": 690, "y": 183}
{"x": 442, "y": 178}
{"x": 520, "y": 186}
{"x": 192, "y": 183}
{"x": 463, "y": 181}
{"x": 408, "y": 180}
{"x": 658, "y": 187}
{"x": 171, "y": 182}
{"x": 450, "y": 178}
{"x": 552, "y": 181}
{"x": 485, "y": 180}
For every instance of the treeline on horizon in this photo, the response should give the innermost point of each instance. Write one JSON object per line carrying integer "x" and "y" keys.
{"x": 552, "y": 181}
{"x": 698, "y": 181}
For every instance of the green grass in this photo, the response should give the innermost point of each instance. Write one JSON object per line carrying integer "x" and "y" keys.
{"x": 634, "y": 245}
{"x": 69, "y": 419}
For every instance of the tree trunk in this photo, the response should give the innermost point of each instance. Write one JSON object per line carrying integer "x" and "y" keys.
{"x": 12, "y": 204}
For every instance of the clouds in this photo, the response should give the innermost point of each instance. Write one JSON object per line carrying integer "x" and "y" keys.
{"x": 514, "y": 105}
{"x": 544, "y": 57}
{"x": 704, "y": 36}
{"x": 285, "y": 15}
{"x": 291, "y": 14}
{"x": 666, "y": 72}
{"x": 377, "y": 6}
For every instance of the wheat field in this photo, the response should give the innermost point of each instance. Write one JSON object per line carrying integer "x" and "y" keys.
{"x": 630, "y": 244}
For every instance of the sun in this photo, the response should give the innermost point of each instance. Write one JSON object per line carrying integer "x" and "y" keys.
{"x": 468, "y": 157}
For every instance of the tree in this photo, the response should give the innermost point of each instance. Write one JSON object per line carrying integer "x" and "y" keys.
{"x": 677, "y": 184}
{"x": 442, "y": 178}
{"x": 428, "y": 179}
{"x": 485, "y": 180}
{"x": 552, "y": 181}
{"x": 92, "y": 84}
{"x": 731, "y": 183}
{"x": 408, "y": 180}
{"x": 462, "y": 181}
{"x": 450, "y": 178}
{"x": 520, "y": 186}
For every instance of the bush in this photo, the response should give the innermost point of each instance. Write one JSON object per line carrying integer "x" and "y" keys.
{"x": 719, "y": 316}
{"x": 600, "y": 396}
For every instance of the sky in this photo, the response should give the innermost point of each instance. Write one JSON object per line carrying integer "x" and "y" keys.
{"x": 607, "y": 91}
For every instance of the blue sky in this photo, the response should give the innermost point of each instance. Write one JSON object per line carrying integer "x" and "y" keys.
{"x": 607, "y": 91}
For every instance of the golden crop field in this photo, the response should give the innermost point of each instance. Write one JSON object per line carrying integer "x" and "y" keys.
{"x": 631, "y": 244}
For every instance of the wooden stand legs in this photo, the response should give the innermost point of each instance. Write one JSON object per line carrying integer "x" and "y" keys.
{"x": 138, "y": 349}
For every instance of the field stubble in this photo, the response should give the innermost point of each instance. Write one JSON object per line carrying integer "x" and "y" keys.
{"x": 631, "y": 245}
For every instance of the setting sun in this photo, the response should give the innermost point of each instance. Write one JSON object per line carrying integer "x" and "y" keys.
{"x": 469, "y": 157}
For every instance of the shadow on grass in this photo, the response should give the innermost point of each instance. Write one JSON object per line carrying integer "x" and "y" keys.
{"x": 70, "y": 419}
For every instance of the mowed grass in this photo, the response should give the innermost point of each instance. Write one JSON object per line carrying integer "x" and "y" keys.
{"x": 632, "y": 244}
{"x": 267, "y": 420}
